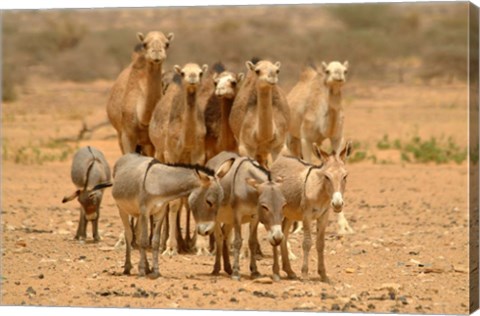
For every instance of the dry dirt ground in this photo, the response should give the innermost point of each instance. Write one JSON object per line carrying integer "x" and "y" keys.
{"x": 409, "y": 253}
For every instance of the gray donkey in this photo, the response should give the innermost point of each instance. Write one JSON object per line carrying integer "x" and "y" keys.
{"x": 310, "y": 190}
{"x": 250, "y": 196}
{"x": 91, "y": 174}
{"x": 143, "y": 187}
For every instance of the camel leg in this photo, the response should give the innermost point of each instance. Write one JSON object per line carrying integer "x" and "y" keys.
{"x": 307, "y": 244}
{"x": 295, "y": 146}
{"x": 287, "y": 223}
{"x": 172, "y": 245}
{"x": 128, "y": 241}
{"x": 337, "y": 143}
{"x": 320, "y": 244}
{"x": 344, "y": 227}
{"x": 129, "y": 142}
{"x": 148, "y": 150}
{"x": 276, "y": 266}
{"x": 306, "y": 150}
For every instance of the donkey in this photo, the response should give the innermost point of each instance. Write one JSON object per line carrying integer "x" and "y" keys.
{"x": 310, "y": 190}
{"x": 143, "y": 187}
{"x": 90, "y": 173}
{"x": 250, "y": 195}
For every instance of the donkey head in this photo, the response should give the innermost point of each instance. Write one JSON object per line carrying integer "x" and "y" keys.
{"x": 90, "y": 200}
{"x": 270, "y": 207}
{"x": 333, "y": 175}
{"x": 205, "y": 200}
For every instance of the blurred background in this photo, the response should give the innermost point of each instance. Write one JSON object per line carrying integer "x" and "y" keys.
{"x": 390, "y": 42}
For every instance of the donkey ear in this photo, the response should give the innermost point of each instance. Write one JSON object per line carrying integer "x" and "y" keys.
{"x": 346, "y": 151}
{"x": 323, "y": 156}
{"x": 71, "y": 197}
{"x": 252, "y": 182}
{"x": 203, "y": 177}
{"x": 140, "y": 36}
{"x": 224, "y": 168}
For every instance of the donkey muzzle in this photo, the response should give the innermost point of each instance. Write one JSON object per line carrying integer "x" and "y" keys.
{"x": 337, "y": 202}
{"x": 205, "y": 228}
{"x": 275, "y": 235}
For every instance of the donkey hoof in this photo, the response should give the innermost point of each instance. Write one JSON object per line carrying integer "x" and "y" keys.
{"x": 170, "y": 252}
{"x": 255, "y": 275}
{"x": 291, "y": 276}
{"x": 275, "y": 278}
{"x": 236, "y": 277}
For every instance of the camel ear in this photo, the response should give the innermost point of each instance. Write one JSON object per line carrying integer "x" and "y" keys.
{"x": 177, "y": 69}
{"x": 324, "y": 66}
{"x": 71, "y": 197}
{"x": 215, "y": 77}
{"x": 203, "y": 177}
{"x": 240, "y": 76}
{"x": 278, "y": 64}
{"x": 140, "y": 36}
{"x": 323, "y": 156}
{"x": 346, "y": 151}
{"x": 170, "y": 37}
{"x": 345, "y": 64}
{"x": 250, "y": 65}
{"x": 224, "y": 168}
{"x": 204, "y": 68}
{"x": 252, "y": 182}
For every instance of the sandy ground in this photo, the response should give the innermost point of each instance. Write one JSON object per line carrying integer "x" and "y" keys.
{"x": 409, "y": 253}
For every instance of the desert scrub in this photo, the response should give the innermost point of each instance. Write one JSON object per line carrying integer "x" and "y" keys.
{"x": 424, "y": 151}
{"x": 52, "y": 150}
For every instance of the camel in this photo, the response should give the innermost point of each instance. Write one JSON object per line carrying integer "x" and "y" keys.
{"x": 136, "y": 92}
{"x": 177, "y": 131}
{"x": 217, "y": 95}
{"x": 317, "y": 114}
{"x": 260, "y": 115}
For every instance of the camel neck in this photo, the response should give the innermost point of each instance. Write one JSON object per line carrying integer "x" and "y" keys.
{"x": 154, "y": 90}
{"x": 264, "y": 112}
{"x": 334, "y": 100}
{"x": 227, "y": 139}
{"x": 190, "y": 121}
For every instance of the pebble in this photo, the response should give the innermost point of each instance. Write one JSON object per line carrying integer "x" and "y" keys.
{"x": 349, "y": 270}
{"x": 233, "y": 300}
{"x": 263, "y": 280}
{"x": 305, "y": 306}
{"x": 30, "y": 291}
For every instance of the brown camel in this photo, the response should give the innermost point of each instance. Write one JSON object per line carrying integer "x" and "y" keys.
{"x": 317, "y": 114}
{"x": 177, "y": 130}
{"x": 260, "y": 115}
{"x": 216, "y": 98}
{"x": 136, "y": 91}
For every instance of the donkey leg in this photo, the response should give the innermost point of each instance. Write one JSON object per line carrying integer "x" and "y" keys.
{"x": 95, "y": 234}
{"x": 287, "y": 223}
{"x": 227, "y": 230}
{"x": 81, "y": 230}
{"x": 158, "y": 221}
{"x": 218, "y": 253}
{"x": 143, "y": 243}
{"x": 253, "y": 245}
{"x": 307, "y": 244}
{"x": 128, "y": 241}
{"x": 237, "y": 245}
{"x": 276, "y": 265}
{"x": 320, "y": 245}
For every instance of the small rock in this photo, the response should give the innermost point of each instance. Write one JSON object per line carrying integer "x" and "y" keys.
{"x": 387, "y": 286}
{"x": 264, "y": 294}
{"x": 354, "y": 297}
{"x": 41, "y": 276}
{"x": 460, "y": 269}
{"x": 263, "y": 280}
{"x": 335, "y": 307}
{"x": 82, "y": 257}
{"x": 307, "y": 306}
{"x": 349, "y": 270}
{"x": 233, "y": 300}
{"x": 30, "y": 291}
{"x": 403, "y": 299}
{"x": 17, "y": 282}
{"x": 371, "y": 306}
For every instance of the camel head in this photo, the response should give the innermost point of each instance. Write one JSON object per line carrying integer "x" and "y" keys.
{"x": 335, "y": 74}
{"x": 334, "y": 174}
{"x": 226, "y": 84}
{"x": 154, "y": 46}
{"x": 191, "y": 74}
{"x": 266, "y": 72}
